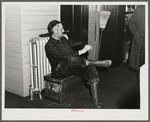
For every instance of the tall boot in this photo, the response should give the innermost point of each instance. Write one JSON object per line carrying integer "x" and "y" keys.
{"x": 104, "y": 63}
{"x": 93, "y": 87}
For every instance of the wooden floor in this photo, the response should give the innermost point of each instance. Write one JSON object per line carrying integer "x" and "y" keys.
{"x": 118, "y": 89}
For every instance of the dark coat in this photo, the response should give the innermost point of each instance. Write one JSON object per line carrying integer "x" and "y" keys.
{"x": 137, "y": 27}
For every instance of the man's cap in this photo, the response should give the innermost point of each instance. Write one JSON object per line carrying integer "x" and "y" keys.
{"x": 52, "y": 24}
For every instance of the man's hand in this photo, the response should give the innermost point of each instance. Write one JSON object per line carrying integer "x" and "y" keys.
{"x": 85, "y": 49}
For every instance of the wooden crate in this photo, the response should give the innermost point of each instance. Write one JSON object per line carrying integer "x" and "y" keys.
{"x": 60, "y": 90}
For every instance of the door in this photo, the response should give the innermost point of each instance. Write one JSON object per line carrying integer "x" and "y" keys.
{"x": 113, "y": 35}
{"x": 75, "y": 19}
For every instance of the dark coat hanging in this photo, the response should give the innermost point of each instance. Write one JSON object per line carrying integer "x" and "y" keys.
{"x": 137, "y": 27}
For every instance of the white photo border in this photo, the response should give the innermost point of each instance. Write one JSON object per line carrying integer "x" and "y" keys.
{"x": 87, "y": 114}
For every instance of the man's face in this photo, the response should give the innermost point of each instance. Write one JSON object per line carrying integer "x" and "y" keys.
{"x": 60, "y": 30}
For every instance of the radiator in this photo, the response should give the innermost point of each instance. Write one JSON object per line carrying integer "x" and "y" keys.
{"x": 40, "y": 65}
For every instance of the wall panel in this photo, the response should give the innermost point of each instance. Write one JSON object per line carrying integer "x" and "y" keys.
{"x": 13, "y": 27}
{"x": 26, "y": 87}
{"x": 39, "y": 7}
{"x": 13, "y": 55}
{"x": 13, "y": 65}
{"x": 26, "y": 70}
{"x": 13, "y": 50}
{"x": 13, "y": 47}
{"x": 12, "y": 84}
{"x": 25, "y": 50}
{"x": 33, "y": 32}
{"x": 34, "y": 21}
{"x": 12, "y": 18}
{"x": 26, "y": 59}
{"x": 40, "y": 13}
{"x": 13, "y": 59}
{"x": 12, "y": 7}
{"x": 35, "y": 26}
{"x": 13, "y": 38}
{"x": 13, "y": 12}
{"x": 38, "y": 19}
{"x": 26, "y": 39}
{"x": 20, "y": 93}
{"x": 13, "y": 34}
{"x": 13, "y": 74}
{"x": 22, "y": 22}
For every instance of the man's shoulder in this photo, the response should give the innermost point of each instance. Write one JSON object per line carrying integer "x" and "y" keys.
{"x": 48, "y": 43}
{"x": 51, "y": 41}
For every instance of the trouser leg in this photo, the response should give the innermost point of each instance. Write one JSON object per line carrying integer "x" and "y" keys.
{"x": 92, "y": 76}
{"x": 77, "y": 66}
{"x": 73, "y": 66}
{"x": 104, "y": 63}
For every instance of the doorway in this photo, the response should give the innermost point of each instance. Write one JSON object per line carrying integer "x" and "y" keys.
{"x": 75, "y": 20}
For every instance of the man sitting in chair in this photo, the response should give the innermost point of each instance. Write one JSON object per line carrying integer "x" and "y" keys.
{"x": 66, "y": 62}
